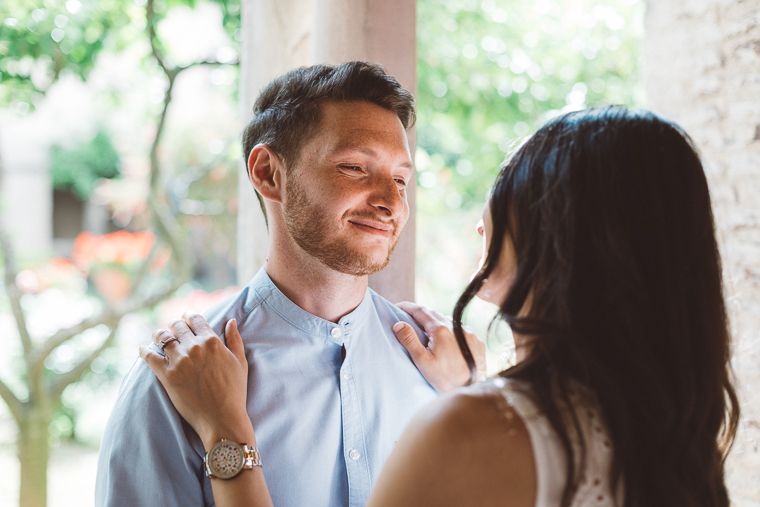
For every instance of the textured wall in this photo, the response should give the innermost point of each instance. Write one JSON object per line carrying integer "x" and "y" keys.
{"x": 702, "y": 69}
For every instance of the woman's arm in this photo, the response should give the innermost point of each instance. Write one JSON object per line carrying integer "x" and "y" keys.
{"x": 466, "y": 448}
{"x": 207, "y": 382}
{"x": 463, "y": 449}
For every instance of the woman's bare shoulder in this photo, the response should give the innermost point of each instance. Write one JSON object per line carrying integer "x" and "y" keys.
{"x": 467, "y": 447}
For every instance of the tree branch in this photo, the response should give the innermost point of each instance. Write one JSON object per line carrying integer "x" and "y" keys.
{"x": 109, "y": 318}
{"x": 166, "y": 223}
{"x": 171, "y": 231}
{"x": 73, "y": 375}
{"x": 150, "y": 15}
{"x": 15, "y": 405}
{"x": 142, "y": 271}
{"x": 207, "y": 61}
{"x": 64, "y": 379}
{"x": 14, "y": 294}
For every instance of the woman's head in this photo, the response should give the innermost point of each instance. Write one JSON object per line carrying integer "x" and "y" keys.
{"x": 608, "y": 214}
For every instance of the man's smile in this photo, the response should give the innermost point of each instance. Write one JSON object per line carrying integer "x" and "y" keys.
{"x": 374, "y": 226}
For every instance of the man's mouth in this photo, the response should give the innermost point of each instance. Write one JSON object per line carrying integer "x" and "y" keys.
{"x": 374, "y": 226}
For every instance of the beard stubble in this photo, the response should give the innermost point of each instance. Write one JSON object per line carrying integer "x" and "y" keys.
{"x": 310, "y": 229}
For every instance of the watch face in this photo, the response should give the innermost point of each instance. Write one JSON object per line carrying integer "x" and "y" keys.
{"x": 225, "y": 460}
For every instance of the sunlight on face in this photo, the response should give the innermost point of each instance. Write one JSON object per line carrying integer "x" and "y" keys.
{"x": 346, "y": 201}
{"x": 498, "y": 283}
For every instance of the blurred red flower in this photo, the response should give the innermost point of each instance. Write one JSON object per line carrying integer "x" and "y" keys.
{"x": 121, "y": 248}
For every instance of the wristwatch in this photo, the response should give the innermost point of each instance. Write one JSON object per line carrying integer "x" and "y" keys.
{"x": 227, "y": 459}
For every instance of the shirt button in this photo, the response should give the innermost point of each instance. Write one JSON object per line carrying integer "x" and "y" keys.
{"x": 354, "y": 454}
{"x": 335, "y": 332}
{"x": 346, "y": 375}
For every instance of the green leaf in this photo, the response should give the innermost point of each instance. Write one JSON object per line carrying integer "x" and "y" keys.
{"x": 80, "y": 168}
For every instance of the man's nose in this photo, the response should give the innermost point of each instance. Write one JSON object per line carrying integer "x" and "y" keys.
{"x": 388, "y": 198}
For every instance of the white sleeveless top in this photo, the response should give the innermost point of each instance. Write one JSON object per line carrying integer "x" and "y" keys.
{"x": 595, "y": 489}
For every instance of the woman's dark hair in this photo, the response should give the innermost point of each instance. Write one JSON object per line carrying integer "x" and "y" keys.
{"x": 610, "y": 217}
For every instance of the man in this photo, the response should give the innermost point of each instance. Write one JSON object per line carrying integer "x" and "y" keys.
{"x": 330, "y": 387}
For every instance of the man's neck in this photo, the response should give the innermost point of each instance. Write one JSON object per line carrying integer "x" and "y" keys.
{"x": 311, "y": 285}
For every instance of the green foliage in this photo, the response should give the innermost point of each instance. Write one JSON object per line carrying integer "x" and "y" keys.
{"x": 230, "y": 17}
{"x": 491, "y": 72}
{"x": 80, "y": 168}
{"x": 41, "y": 39}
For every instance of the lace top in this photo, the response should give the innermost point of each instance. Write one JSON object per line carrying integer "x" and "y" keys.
{"x": 551, "y": 465}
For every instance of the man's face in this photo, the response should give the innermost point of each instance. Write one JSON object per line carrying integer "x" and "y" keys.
{"x": 345, "y": 200}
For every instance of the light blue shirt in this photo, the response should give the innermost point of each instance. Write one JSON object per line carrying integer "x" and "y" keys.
{"x": 324, "y": 425}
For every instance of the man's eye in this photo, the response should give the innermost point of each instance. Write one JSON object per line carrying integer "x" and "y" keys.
{"x": 355, "y": 168}
{"x": 401, "y": 182}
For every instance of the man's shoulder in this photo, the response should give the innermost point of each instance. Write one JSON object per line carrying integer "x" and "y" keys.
{"x": 145, "y": 436}
{"x": 140, "y": 394}
{"x": 389, "y": 313}
{"x": 237, "y": 306}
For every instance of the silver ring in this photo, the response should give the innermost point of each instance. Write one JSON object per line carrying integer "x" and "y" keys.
{"x": 164, "y": 343}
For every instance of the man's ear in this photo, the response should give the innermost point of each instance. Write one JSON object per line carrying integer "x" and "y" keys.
{"x": 265, "y": 169}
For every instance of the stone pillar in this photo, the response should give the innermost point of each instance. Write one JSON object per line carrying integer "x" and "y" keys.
{"x": 382, "y": 31}
{"x": 26, "y": 188}
{"x": 277, "y": 38}
{"x": 702, "y": 69}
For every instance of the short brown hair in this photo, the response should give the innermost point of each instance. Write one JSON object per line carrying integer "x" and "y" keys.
{"x": 288, "y": 111}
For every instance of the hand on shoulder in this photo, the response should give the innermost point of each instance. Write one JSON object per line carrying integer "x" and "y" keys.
{"x": 466, "y": 448}
{"x": 205, "y": 380}
{"x": 441, "y": 361}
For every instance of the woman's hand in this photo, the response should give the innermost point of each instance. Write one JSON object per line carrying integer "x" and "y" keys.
{"x": 206, "y": 381}
{"x": 441, "y": 362}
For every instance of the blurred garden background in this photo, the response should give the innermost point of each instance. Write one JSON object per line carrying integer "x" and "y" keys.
{"x": 119, "y": 119}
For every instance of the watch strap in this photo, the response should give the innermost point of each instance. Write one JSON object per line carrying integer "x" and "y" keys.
{"x": 252, "y": 456}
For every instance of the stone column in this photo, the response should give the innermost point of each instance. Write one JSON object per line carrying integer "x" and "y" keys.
{"x": 382, "y": 31}
{"x": 26, "y": 188}
{"x": 277, "y": 38}
{"x": 702, "y": 69}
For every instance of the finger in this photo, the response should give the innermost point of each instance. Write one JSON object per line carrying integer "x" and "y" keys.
{"x": 407, "y": 306}
{"x": 235, "y": 341}
{"x": 181, "y": 330}
{"x": 443, "y": 319}
{"x": 160, "y": 334}
{"x": 154, "y": 360}
{"x": 478, "y": 351}
{"x": 477, "y": 348}
{"x": 197, "y": 324}
{"x": 408, "y": 338}
{"x": 422, "y": 315}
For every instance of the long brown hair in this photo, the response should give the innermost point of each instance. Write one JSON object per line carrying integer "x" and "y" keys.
{"x": 610, "y": 216}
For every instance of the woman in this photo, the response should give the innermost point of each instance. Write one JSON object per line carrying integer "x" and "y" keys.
{"x": 600, "y": 252}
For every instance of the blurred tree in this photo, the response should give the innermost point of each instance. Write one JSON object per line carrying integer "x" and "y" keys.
{"x": 39, "y": 41}
{"x": 79, "y": 169}
{"x": 490, "y": 72}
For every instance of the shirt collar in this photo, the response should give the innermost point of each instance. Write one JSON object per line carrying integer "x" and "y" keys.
{"x": 268, "y": 292}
